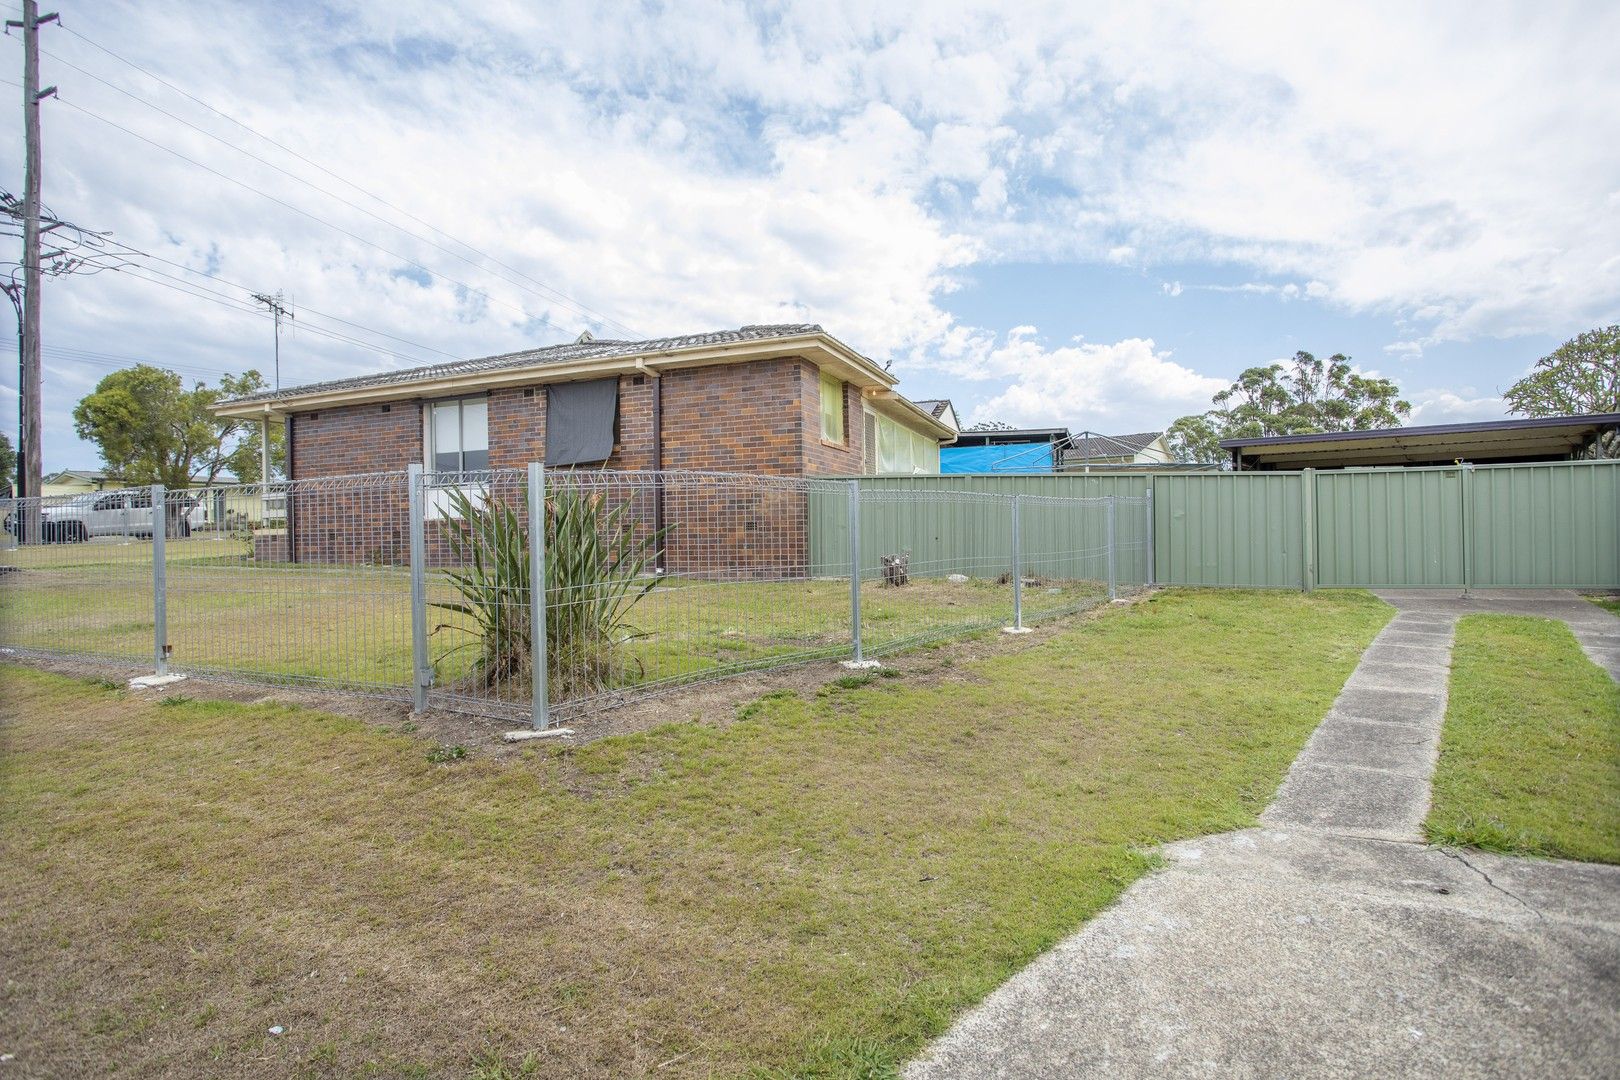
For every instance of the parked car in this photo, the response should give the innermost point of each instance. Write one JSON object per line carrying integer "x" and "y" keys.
{"x": 116, "y": 513}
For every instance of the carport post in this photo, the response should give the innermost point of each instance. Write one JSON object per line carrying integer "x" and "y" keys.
{"x": 1018, "y": 561}
{"x": 160, "y": 583}
{"x": 1113, "y": 582}
{"x": 539, "y": 697}
{"x": 855, "y": 568}
{"x": 421, "y": 671}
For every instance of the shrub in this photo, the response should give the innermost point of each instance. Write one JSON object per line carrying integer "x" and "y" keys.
{"x": 596, "y": 571}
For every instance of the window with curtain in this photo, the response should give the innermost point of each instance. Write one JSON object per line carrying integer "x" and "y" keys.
{"x": 458, "y": 435}
{"x": 903, "y": 451}
{"x": 832, "y": 408}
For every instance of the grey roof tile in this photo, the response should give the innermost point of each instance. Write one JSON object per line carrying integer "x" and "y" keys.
{"x": 597, "y": 349}
{"x": 1099, "y": 446}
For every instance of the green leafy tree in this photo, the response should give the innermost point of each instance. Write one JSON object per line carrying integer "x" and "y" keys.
{"x": 151, "y": 429}
{"x": 8, "y": 467}
{"x": 1580, "y": 376}
{"x": 991, "y": 425}
{"x": 1301, "y": 397}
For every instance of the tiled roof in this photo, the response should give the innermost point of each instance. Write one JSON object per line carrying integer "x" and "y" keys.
{"x": 597, "y": 349}
{"x": 1092, "y": 445}
{"x": 934, "y": 407}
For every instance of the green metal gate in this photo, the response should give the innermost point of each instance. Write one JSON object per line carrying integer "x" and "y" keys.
{"x": 1381, "y": 528}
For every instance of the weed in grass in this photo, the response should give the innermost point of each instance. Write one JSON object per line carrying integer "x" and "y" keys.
{"x": 447, "y": 752}
{"x": 104, "y": 684}
{"x": 492, "y": 1066}
{"x": 760, "y": 704}
{"x": 890, "y": 673}
{"x": 174, "y": 701}
{"x": 854, "y": 682}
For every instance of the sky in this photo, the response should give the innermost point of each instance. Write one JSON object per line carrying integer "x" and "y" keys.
{"x": 1090, "y": 215}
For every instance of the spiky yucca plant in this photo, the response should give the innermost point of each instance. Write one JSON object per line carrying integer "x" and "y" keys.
{"x": 596, "y": 571}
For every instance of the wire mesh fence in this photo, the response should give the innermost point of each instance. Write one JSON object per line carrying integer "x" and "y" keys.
{"x": 419, "y": 585}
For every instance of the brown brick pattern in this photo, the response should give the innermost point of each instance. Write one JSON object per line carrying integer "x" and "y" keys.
{"x": 759, "y": 417}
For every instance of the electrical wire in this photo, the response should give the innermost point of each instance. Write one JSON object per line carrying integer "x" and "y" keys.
{"x": 407, "y": 260}
{"x": 547, "y": 291}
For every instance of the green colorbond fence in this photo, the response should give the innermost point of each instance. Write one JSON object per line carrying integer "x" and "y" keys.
{"x": 973, "y": 537}
{"x": 1553, "y": 524}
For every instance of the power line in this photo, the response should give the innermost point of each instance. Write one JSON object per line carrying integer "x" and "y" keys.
{"x": 546, "y": 291}
{"x": 307, "y": 310}
{"x": 240, "y": 304}
{"x": 187, "y": 288}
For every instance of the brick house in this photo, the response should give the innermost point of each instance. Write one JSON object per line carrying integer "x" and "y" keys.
{"x": 786, "y": 400}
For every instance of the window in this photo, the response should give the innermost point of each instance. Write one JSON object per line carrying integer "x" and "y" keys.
{"x": 904, "y": 451}
{"x": 458, "y": 435}
{"x": 582, "y": 421}
{"x": 832, "y": 409}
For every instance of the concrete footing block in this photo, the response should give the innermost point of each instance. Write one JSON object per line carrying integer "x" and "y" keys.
{"x": 861, "y": 665}
{"x": 152, "y": 682}
{"x": 528, "y": 734}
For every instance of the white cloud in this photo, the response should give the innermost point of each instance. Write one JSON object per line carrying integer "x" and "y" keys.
{"x": 1086, "y": 386}
{"x": 1447, "y": 407}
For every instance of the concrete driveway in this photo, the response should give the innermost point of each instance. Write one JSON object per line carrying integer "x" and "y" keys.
{"x": 1330, "y": 941}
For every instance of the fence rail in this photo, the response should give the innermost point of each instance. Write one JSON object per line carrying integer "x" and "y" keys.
{"x": 417, "y": 585}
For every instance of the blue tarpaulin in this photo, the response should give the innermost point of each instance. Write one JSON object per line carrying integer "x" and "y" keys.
{"x": 1035, "y": 457}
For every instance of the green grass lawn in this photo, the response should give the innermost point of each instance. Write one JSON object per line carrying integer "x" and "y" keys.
{"x": 350, "y": 625}
{"x": 812, "y": 890}
{"x": 1530, "y": 754}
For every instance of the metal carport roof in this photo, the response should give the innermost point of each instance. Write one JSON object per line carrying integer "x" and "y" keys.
{"x": 1546, "y": 438}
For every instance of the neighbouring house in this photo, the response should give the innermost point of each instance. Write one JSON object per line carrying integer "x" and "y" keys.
{"x": 76, "y": 482}
{"x": 942, "y": 410}
{"x": 787, "y": 400}
{"x": 1089, "y": 450}
{"x": 1014, "y": 450}
{"x": 1051, "y": 450}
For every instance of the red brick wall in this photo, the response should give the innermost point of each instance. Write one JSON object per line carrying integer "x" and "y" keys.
{"x": 759, "y": 417}
{"x": 356, "y": 439}
{"x": 823, "y": 457}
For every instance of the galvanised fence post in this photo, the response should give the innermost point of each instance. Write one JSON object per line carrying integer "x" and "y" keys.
{"x": 1150, "y": 537}
{"x": 855, "y": 569}
{"x": 160, "y": 581}
{"x": 1018, "y": 562}
{"x": 1113, "y": 585}
{"x": 421, "y": 670}
{"x": 539, "y": 697}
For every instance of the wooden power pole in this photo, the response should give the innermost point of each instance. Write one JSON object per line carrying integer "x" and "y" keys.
{"x": 29, "y": 465}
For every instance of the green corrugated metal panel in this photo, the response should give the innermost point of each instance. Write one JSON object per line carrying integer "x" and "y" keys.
{"x": 1389, "y": 527}
{"x": 1547, "y": 525}
{"x": 948, "y": 535}
{"x": 1240, "y": 529}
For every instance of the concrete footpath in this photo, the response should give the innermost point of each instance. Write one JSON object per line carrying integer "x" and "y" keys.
{"x": 1330, "y": 941}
